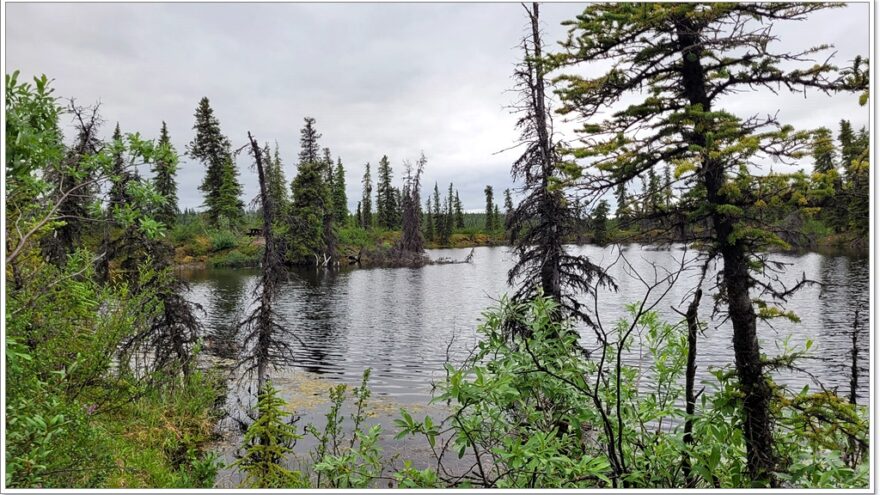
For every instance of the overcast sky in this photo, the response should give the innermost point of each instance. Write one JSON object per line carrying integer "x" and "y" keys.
{"x": 393, "y": 79}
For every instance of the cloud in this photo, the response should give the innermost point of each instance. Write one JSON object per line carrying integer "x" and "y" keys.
{"x": 381, "y": 79}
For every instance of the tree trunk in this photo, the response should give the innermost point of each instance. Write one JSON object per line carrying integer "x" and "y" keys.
{"x": 690, "y": 375}
{"x": 737, "y": 280}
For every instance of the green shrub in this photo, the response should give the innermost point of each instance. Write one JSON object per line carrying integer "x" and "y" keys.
{"x": 538, "y": 413}
{"x": 235, "y": 259}
{"x": 223, "y": 239}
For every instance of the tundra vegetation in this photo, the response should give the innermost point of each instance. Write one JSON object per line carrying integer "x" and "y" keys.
{"x": 105, "y": 386}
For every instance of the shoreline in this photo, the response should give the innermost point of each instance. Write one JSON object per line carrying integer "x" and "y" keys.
{"x": 829, "y": 246}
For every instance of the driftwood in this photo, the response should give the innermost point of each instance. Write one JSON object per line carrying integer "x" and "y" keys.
{"x": 450, "y": 261}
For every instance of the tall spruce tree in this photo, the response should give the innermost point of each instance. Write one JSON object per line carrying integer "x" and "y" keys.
{"x": 689, "y": 57}
{"x": 164, "y": 171}
{"x": 459, "y": 214}
{"x": 340, "y": 201}
{"x": 859, "y": 175}
{"x": 310, "y": 199}
{"x": 329, "y": 212}
{"x": 366, "y": 217}
{"x": 220, "y": 185}
{"x": 450, "y": 212}
{"x": 276, "y": 182}
{"x": 385, "y": 204}
{"x": 508, "y": 207}
{"x": 429, "y": 221}
{"x": 490, "y": 209}
{"x": 848, "y": 149}
{"x": 121, "y": 177}
{"x": 827, "y": 177}
{"x": 308, "y": 142}
{"x": 622, "y": 214}
{"x": 398, "y": 207}
{"x": 439, "y": 223}
{"x": 599, "y": 222}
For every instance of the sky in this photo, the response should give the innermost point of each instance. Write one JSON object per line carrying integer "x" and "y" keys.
{"x": 380, "y": 79}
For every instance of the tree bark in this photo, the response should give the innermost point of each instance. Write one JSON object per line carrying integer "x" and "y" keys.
{"x": 693, "y": 326}
{"x": 737, "y": 280}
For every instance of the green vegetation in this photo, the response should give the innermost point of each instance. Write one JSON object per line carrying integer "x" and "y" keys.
{"x": 99, "y": 388}
{"x": 221, "y": 187}
{"x": 540, "y": 414}
{"x": 267, "y": 442}
{"x": 537, "y": 413}
{"x": 105, "y": 389}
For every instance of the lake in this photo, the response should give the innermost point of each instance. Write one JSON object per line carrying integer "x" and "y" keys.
{"x": 403, "y": 322}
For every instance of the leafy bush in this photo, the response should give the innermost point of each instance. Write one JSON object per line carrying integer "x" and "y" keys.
{"x": 76, "y": 415}
{"x": 534, "y": 412}
{"x": 354, "y": 463}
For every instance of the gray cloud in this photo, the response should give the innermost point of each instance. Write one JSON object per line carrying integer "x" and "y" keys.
{"x": 393, "y": 79}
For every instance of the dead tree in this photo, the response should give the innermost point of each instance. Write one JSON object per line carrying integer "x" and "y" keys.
{"x": 539, "y": 225}
{"x": 263, "y": 335}
{"x": 74, "y": 187}
{"x": 412, "y": 240}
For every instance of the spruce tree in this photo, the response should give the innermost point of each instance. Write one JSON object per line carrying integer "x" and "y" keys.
{"x": 366, "y": 219}
{"x": 429, "y": 221}
{"x": 508, "y": 207}
{"x": 848, "y": 151}
{"x": 310, "y": 198}
{"x": 229, "y": 204}
{"x": 459, "y": 214}
{"x": 439, "y": 224}
{"x": 385, "y": 204}
{"x": 823, "y": 151}
{"x": 398, "y": 207}
{"x": 654, "y": 196}
{"x": 679, "y": 63}
{"x": 340, "y": 201}
{"x": 450, "y": 209}
{"x": 599, "y": 223}
{"x": 667, "y": 187}
{"x": 490, "y": 209}
{"x": 859, "y": 186}
{"x": 121, "y": 177}
{"x": 826, "y": 175}
{"x": 622, "y": 214}
{"x": 267, "y": 443}
{"x": 329, "y": 212}
{"x": 164, "y": 170}
{"x": 445, "y": 230}
{"x": 276, "y": 182}
{"x": 309, "y": 148}
{"x": 220, "y": 185}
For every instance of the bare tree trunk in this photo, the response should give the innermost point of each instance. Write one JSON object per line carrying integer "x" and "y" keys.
{"x": 853, "y": 454}
{"x": 550, "y": 276}
{"x": 693, "y": 325}
{"x": 268, "y": 279}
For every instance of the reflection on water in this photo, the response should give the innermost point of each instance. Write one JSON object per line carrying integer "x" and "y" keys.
{"x": 400, "y": 322}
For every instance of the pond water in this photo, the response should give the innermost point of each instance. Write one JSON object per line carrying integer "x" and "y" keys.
{"x": 403, "y": 323}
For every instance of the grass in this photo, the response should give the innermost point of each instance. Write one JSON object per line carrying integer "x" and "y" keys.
{"x": 160, "y": 439}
